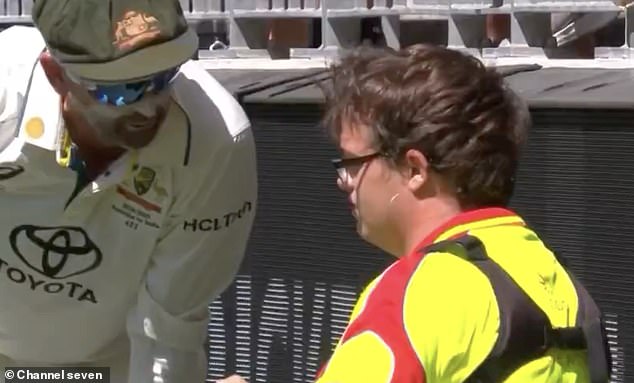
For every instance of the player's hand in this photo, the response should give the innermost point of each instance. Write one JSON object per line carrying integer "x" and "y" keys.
{"x": 232, "y": 379}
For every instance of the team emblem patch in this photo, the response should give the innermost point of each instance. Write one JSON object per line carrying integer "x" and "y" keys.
{"x": 143, "y": 180}
{"x": 134, "y": 29}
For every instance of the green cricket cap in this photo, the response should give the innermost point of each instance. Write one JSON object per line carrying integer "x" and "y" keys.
{"x": 115, "y": 40}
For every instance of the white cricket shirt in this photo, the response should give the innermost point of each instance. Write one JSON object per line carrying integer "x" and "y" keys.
{"x": 140, "y": 251}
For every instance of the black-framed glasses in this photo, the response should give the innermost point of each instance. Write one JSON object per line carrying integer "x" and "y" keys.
{"x": 342, "y": 165}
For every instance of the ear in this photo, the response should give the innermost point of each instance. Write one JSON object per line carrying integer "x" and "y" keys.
{"x": 54, "y": 72}
{"x": 417, "y": 170}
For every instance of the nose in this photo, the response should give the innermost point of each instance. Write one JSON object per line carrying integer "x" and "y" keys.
{"x": 150, "y": 105}
{"x": 145, "y": 109}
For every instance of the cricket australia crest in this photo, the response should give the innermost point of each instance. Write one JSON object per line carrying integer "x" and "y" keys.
{"x": 143, "y": 180}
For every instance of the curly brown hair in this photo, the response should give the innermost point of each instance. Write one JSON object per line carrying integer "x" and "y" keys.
{"x": 461, "y": 115}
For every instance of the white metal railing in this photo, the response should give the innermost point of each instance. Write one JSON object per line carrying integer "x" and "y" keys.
{"x": 15, "y": 11}
{"x": 247, "y": 21}
{"x": 20, "y": 10}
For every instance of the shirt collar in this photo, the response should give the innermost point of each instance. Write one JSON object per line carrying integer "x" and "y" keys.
{"x": 470, "y": 220}
{"x": 41, "y": 126}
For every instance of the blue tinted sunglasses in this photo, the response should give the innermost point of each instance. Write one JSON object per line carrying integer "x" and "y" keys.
{"x": 128, "y": 93}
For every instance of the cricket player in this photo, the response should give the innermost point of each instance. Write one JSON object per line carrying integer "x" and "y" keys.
{"x": 127, "y": 191}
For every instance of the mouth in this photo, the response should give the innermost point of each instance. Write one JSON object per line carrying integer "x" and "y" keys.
{"x": 139, "y": 121}
{"x": 137, "y": 134}
{"x": 141, "y": 125}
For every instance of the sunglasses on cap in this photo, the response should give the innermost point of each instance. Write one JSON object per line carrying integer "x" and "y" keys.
{"x": 120, "y": 94}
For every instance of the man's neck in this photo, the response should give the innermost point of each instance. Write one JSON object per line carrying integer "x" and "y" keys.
{"x": 97, "y": 161}
{"x": 427, "y": 218}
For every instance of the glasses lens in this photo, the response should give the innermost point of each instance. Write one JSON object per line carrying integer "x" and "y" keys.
{"x": 128, "y": 93}
{"x": 343, "y": 174}
{"x": 120, "y": 94}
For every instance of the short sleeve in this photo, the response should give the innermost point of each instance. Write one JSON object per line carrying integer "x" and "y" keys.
{"x": 364, "y": 358}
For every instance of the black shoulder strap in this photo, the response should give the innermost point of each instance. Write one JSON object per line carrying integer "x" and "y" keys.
{"x": 591, "y": 321}
{"x": 595, "y": 329}
{"x": 525, "y": 331}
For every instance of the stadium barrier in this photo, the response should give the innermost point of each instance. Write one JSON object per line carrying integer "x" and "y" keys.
{"x": 242, "y": 28}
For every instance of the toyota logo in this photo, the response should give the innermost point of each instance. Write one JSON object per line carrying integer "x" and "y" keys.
{"x": 56, "y": 252}
{"x": 9, "y": 171}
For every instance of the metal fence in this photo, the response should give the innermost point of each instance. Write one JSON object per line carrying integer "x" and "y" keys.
{"x": 337, "y": 24}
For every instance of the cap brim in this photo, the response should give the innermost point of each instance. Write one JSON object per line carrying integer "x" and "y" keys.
{"x": 141, "y": 63}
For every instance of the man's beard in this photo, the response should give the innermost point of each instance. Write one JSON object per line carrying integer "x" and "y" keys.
{"x": 129, "y": 126}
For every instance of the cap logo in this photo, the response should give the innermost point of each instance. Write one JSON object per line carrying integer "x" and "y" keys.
{"x": 135, "y": 28}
